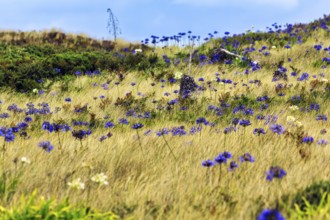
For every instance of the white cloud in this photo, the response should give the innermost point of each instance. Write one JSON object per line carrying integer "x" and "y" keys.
{"x": 280, "y": 3}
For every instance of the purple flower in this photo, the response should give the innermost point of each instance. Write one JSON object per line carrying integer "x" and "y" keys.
{"x": 321, "y": 118}
{"x": 308, "y": 140}
{"x": 109, "y": 124}
{"x": 45, "y": 145}
{"x": 244, "y": 122}
{"x": 277, "y": 128}
{"x": 201, "y": 121}
{"x": 322, "y": 142}
{"x": 208, "y": 163}
{"x": 246, "y": 158}
{"x": 275, "y": 172}
{"x": 137, "y": 126}
{"x": 162, "y": 132}
{"x": 270, "y": 214}
{"x": 47, "y": 126}
{"x": 220, "y": 159}
{"x": 123, "y": 121}
{"x": 259, "y": 131}
{"x": 232, "y": 166}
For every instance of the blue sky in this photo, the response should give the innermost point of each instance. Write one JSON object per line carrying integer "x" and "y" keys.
{"x": 139, "y": 19}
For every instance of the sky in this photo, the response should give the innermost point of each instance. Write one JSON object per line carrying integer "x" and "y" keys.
{"x": 139, "y": 19}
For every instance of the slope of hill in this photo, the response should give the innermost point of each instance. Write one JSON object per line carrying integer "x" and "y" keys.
{"x": 128, "y": 134}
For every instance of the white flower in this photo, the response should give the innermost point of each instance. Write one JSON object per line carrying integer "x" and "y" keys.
{"x": 100, "y": 178}
{"x": 291, "y": 119}
{"x": 138, "y": 50}
{"x": 324, "y": 80}
{"x": 299, "y": 124}
{"x": 273, "y": 47}
{"x": 178, "y": 75}
{"x": 35, "y": 91}
{"x": 77, "y": 184}
{"x": 25, "y": 160}
{"x": 293, "y": 107}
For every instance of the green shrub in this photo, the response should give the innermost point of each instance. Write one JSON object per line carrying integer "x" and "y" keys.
{"x": 31, "y": 207}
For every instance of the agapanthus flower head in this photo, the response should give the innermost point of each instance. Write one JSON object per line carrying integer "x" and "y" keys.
{"x": 162, "y": 132}
{"x": 45, "y": 145}
{"x": 137, "y": 126}
{"x": 220, "y": 159}
{"x": 314, "y": 106}
{"x": 8, "y": 134}
{"x": 308, "y": 140}
{"x": 275, "y": 172}
{"x": 80, "y": 134}
{"x": 68, "y": 99}
{"x": 47, "y": 126}
{"x": 229, "y": 129}
{"x": 109, "y": 124}
{"x": 303, "y": 77}
{"x": 259, "y": 131}
{"x": 208, "y": 163}
{"x": 123, "y": 121}
{"x": 270, "y": 214}
{"x": 201, "y": 121}
{"x": 244, "y": 122}
{"x": 227, "y": 154}
{"x": 322, "y": 142}
{"x": 277, "y": 128}
{"x": 61, "y": 127}
{"x": 321, "y": 118}
{"x": 246, "y": 158}
{"x": 27, "y": 119}
{"x": 232, "y": 166}
{"x": 235, "y": 121}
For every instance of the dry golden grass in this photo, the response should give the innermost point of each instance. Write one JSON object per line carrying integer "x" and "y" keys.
{"x": 151, "y": 184}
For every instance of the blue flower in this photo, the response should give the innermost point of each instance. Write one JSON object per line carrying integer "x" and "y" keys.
{"x": 28, "y": 119}
{"x": 137, "y": 126}
{"x": 314, "y": 107}
{"x": 229, "y": 129}
{"x": 275, "y": 172}
{"x": 201, "y": 121}
{"x": 47, "y": 126}
{"x": 244, "y": 122}
{"x": 123, "y": 121}
{"x": 246, "y": 158}
{"x": 80, "y": 134}
{"x": 270, "y": 214}
{"x": 220, "y": 159}
{"x": 46, "y": 146}
{"x": 208, "y": 163}
{"x": 321, "y": 118}
{"x": 277, "y": 128}
{"x": 162, "y": 132}
{"x": 232, "y": 166}
{"x": 227, "y": 154}
{"x": 67, "y": 99}
{"x": 308, "y": 140}
{"x": 259, "y": 131}
{"x": 303, "y": 77}
{"x": 322, "y": 142}
{"x": 109, "y": 124}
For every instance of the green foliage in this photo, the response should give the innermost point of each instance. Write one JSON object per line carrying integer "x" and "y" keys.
{"x": 31, "y": 207}
{"x": 313, "y": 211}
{"x": 313, "y": 194}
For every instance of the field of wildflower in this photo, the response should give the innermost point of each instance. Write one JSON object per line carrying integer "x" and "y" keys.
{"x": 179, "y": 129}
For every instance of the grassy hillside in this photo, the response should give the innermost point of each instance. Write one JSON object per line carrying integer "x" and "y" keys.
{"x": 125, "y": 133}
